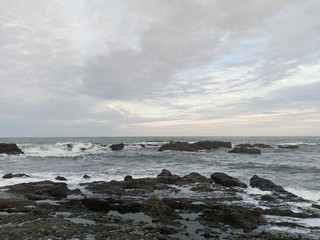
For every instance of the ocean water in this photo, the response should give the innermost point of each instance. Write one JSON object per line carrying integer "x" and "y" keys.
{"x": 297, "y": 170}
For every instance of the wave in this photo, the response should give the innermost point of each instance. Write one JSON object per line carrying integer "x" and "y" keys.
{"x": 75, "y": 149}
{"x": 62, "y": 149}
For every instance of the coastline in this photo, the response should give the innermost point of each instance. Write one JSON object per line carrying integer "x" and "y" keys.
{"x": 166, "y": 207}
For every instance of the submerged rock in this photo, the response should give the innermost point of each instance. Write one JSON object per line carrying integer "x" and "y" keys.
{"x": 245, "y": 150}
{"x": 11, "y": 175}
{"x": 117, "y": 147}
{"x": 227, "y": 181}
{"x": 10, "y": 149}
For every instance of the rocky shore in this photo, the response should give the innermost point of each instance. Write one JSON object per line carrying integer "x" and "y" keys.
{"x": 164, "y": 207}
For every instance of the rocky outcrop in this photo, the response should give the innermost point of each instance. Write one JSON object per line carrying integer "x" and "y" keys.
{"x": 213, "y": 144}
{"x": 245, "y": 150}
{"x": 117, "y": 147}
{"x": 43, "y": 188}
{"x": 60, "y": 178}
{"x": 165, "y": 173}
{"x": 227, "y": 181}
{"x": 256, "y": 145}
{"x": 180, "y": 146}
{"x": 193, "y": 147}
{"x": 17, "y": 175}
{"x": 10, "y": 149}
{"x": 289, "y": 146}
{"x": 267, "y": 185}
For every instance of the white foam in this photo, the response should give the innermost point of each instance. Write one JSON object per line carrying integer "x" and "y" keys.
{"x": 306, "y": 194}
{"x": 256, "y": 191}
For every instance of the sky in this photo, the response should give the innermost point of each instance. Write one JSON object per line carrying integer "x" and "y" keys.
{"x": 159, "y": 68}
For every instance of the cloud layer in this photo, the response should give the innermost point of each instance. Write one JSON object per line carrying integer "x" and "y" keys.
{"x": 195, "y": 67}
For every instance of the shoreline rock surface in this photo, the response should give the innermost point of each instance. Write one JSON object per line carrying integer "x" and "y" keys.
{"x": 150, "y": 208}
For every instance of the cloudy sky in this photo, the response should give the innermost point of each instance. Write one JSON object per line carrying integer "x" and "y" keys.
{"x": 159, "y": 67}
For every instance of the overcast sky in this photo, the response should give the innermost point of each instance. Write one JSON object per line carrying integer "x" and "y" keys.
{"x": 159, "y": 67}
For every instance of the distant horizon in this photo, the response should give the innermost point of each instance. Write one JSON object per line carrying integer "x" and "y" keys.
{"x": 159, "y": 68}
{"x": 159, "y": 136}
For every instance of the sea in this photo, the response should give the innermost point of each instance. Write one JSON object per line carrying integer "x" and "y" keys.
{"x": 297, "y": 170}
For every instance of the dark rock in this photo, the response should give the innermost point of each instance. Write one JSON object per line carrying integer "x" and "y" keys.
{"x": 10, "y": 149}
{"x": 59, "y": 178}
{"x": 11, "y": 175}
{"x": 46, "y": 188}
{"x": 142, "y": 145}
{"x": 206, "y": 235}
{"x": 155, "y": 207}
{"x": 70, "y": 145}
{"x": 96, "y": 204}
{"x": 6, "y": 203}
{"x": 195, "y": 177}
{"x": 256, "y": 145}
{"x": 245, "y": 150}
{"x": 235, "y": 216}
{"x": 117, "y": 147}
{"x": 167, "y": 230}
{"x": 83, "y": 149}
{"x": 180, "y": 146}
{"x": 128, "y": 178}
{"x": 268, "y": 198}
{"x": 165, "y": 173}
{"x": 86, "y": 176}
{"x": 213, "y": 144}
{"x": 227, "y": 181}
{"x": 289, "y": 146}
{"x": 265, "y": 184}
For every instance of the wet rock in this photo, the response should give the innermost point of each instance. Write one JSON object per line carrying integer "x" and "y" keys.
{"x": 165, "y": 173}
{"x": 195, "y": 177}
{"x": 180, "y": 146}
{"x": 154, "y": 207}
{"x": 70, "y": 145}
{"x": 227, "y": 181}
{"x": 7, "y": 203}
{"x": 46, "y": 188}
{"x": 128, "y": 178}
{"x": 256, "y": 145}
{"x": 60, "y": 178}
{"x": 235, "y": 216}
{"x": 83, "y": 149}
{"x": 268, "y": 198}
{"x": 86, "y": 176}
{"x": 96, "y": 204}
{"x": 245, "y": 150}
{"x": 267, "y": 185}
{"x": 117, "y": 147}
{"x": 289, "y": 146}
{"x": 213, "y": 144}
{"x": 10, "y": 149}
{"x": 11, "y": 175}
{"x": 142, "y": 145}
